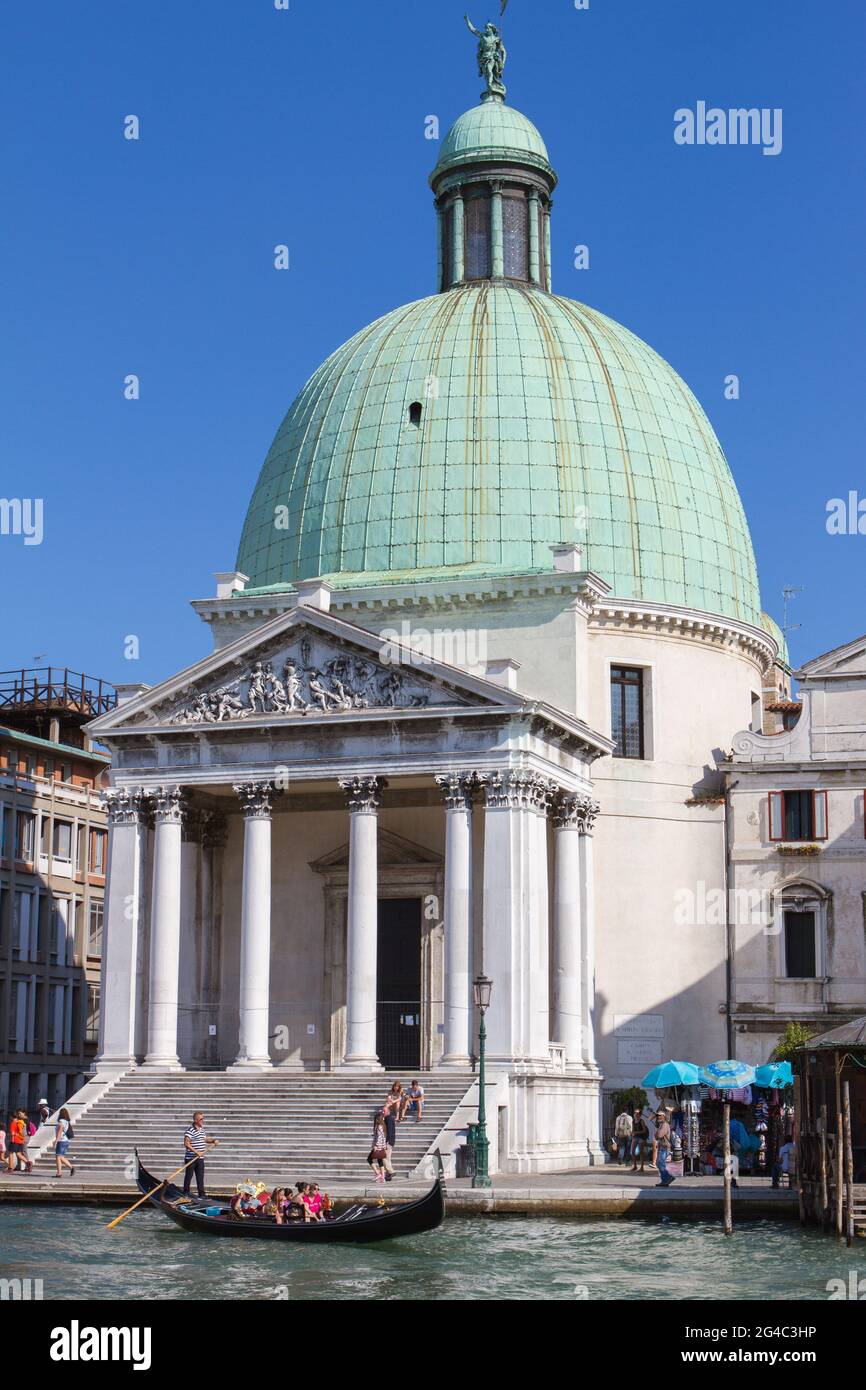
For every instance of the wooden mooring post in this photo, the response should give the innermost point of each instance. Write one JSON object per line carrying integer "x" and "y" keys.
{"x": 726, "y": 1150}
{"x": 849, "y": 1164}
{"x": 825, "y": 1194}
{"x": 840, "y": 1170}
{"x": 798, "y": 1141}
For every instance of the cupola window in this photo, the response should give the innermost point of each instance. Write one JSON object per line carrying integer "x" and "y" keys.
{"x": 477, "y": 235}
{"x": 415, "y": 413}
{"x": 515, "y": 235}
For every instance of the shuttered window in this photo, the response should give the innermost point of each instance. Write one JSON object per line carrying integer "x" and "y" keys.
{"x": 798, "y": 815}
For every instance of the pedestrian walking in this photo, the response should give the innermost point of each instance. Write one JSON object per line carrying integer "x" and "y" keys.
{"x": 18, "y": 1143}
{"x": 662, "y": 1148}
{"x": 378, "y": 1157}
{"x": 44, "y": 1111}
{"x": 196, "y": 1142}
{"x": 640, "y": 1139}
{"x": 622, "y": 1133}
{"x": 63, "y": 1136}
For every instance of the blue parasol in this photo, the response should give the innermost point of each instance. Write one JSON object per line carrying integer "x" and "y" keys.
{"x": 774, "y": 1075}
{"x": 672, "y": 1074}
{"x": 728, "y": 1075}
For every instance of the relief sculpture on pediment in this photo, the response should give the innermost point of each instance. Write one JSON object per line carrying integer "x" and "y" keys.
{"x": 309, "y": 680}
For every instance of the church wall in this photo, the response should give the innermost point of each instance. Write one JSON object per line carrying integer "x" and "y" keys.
{"x": 660, "y": 864}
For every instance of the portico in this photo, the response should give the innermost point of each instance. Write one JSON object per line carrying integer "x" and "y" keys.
{"x": 476, "y": 800}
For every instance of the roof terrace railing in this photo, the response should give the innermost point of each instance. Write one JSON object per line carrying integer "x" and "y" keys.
{"x": 55, "y": 689}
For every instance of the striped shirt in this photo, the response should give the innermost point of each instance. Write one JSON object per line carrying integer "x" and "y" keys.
{"x": 197, "y": 1137}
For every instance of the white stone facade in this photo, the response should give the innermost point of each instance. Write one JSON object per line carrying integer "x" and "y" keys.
{"x": 476, "y": 794}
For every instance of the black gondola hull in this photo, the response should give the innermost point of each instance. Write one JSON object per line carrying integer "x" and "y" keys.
{"x": 409, "y": 1219}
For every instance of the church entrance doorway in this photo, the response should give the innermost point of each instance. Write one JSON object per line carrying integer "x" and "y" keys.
{"x": 398, "y": 986}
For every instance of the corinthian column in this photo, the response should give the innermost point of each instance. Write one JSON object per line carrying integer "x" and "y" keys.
{"x": 457, "y": 791}
{"x": 253, "y": 1050}
{"x": 567, "y": 964}
{"x": 587, "y": 813}
{"x": 362, "y": 926}
{"x": 516, "y": 918}
{"x": 168, "y": 807}
{"x": 124, "y": 892}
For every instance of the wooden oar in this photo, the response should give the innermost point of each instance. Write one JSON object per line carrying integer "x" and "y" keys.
{"x": 147, "y": 1196}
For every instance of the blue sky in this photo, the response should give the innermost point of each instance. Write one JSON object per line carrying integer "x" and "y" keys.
{"x": 306, "y": 127}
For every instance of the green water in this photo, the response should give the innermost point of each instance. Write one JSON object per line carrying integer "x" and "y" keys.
{"x": 70, "y": 1250}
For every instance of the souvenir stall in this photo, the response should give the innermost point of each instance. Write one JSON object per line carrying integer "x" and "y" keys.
{"x": 761, "y": 1113}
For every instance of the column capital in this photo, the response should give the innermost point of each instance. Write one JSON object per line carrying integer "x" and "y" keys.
{"x": 362, "y": 793}
{"x": 458, "y": 789}
{"x": 575, "y": 810}
{"x": 517, "y": 790}
{"x": 214, "y": 830}
{"x": 256, "y": 799}
{"x": 125, "y": 806}
{"x": 534, "y": 195}
{"x": 496, "y": 186}
{"x": 168, "y": 804}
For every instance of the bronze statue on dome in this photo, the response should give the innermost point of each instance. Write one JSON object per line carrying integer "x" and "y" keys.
{"x": 491, "y": 57}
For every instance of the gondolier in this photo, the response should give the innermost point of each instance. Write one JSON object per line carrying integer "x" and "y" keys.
{"x": 196, "y": 1142}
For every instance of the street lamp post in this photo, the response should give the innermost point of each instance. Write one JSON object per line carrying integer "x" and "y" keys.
{"x": 481, "y": 988}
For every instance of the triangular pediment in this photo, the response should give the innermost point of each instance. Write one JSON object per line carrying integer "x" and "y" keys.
{"x": 849, "y": 660}
{"x": 303, "y": 665}
{"x": 393, "y": 851}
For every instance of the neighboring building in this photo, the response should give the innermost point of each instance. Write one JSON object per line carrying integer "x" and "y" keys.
{"x": 798, "y": 860}
{"x": 495, "y": 574}
{"x": 53, "y": 847}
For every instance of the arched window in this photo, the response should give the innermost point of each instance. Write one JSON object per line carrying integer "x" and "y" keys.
{"x": 415, "y": 413}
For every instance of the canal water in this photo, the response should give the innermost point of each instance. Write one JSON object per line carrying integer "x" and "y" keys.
{"x": 532, "y": 1258}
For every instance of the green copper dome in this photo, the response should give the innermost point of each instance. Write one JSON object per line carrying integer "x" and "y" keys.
{"x": 469, "y": 431}
{"x": 489, "y": 132}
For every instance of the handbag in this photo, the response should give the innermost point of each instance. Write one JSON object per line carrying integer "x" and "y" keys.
{"x": 376, "y": 1155}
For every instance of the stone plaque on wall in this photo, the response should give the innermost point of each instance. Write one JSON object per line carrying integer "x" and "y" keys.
{"x": 638, "y": 1050}
{"x": 639, "y": 1025}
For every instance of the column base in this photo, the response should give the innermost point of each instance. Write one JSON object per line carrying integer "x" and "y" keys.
{"x": 162, "y": 1064}
{"x": 456, "y": 1060}
{"x": 112, "y": 1066}
{"x": 369, "y": 1064}
{"x": 251, "y": 1064}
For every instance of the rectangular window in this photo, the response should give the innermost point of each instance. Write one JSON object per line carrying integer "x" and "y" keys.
{"x": 94, "y": 927}
{"x": 97, "y": 851}
{"x": 798, "y": 815}
{"x": 477, "y": 238}
{"x": 4, "y": 831}
{"x": 62, "y": 840}
{"x": 800, "y": 961}
{"x": 515, "y": 233}
{"x": 448, "y": 247}
{"x": 22, "y": 912}
{"x": 91, "y": 1025}
{"x": 25, "y": 836}
{"x": 626, "y": 706}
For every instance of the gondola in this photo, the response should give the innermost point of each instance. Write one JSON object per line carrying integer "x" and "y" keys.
{"x": 357, "y": 1226}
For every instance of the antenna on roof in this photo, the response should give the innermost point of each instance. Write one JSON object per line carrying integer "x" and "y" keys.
{"x": 790, "y": 592}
